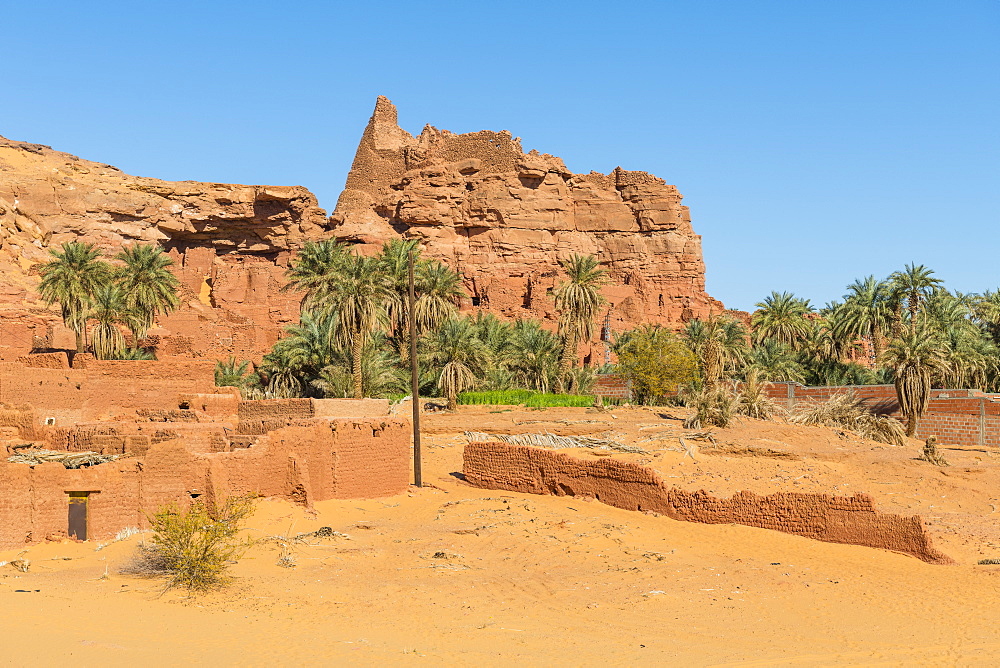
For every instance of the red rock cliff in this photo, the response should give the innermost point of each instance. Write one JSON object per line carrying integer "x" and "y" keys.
{"x": 504, "y": 218}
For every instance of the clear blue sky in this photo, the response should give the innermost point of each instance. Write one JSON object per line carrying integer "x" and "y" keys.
{"x": 816, "y": 141}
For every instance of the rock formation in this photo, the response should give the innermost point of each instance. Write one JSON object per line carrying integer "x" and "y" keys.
{"x": 504, "y": 218}
{"x": 230, "y": 243}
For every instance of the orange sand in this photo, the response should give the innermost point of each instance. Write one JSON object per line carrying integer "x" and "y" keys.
{"x": 453, "y": 574}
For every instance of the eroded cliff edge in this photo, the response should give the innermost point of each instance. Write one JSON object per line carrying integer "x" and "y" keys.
{"x": 504, "y": 218}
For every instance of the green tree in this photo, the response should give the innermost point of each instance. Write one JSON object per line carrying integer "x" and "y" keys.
{"x": 656, "y": 362}
{"x": 458, "y": 354}
{"x": 315, "y": 269}
{"x": 147, "y": 285}
{"x": 782, "y": 317}
{"x": 71, "y": 280}
{"x": 720, "y": 344}
{"x": 913, "y": 285}
{"x": 577, "y": 300}
{"x": 109, "y": 308}
{"x": 231, "y": 373}
{"x": 532, "y": 356}
{"x": 361, "y": 298}
{"x": 865, "y": 314}
{"x": 914, "y": 358}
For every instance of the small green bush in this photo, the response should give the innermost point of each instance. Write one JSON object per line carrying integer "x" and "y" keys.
{"x": 193, "y": 547}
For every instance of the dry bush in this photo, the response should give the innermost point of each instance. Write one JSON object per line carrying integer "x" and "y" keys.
{"x": 752, "y": 400}
{"x": 846, "y": 411}
{"x": 713, "y": 406}
{"x": 193, "y": 547}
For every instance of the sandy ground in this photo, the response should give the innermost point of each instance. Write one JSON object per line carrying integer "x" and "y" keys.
{"x": 451, "y": 574}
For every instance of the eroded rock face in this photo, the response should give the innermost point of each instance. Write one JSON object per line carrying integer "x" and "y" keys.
{"x": 230, "y": 244}
{"x": 504, "y": 218}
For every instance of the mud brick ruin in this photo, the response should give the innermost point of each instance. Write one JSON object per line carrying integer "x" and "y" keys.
{"x": 851, "y": 520}
{"x": 184, "y": 439}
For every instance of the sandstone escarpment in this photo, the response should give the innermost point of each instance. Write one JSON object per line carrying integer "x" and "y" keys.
{"x": 230, "y": 244}
{"x": 504, "y": 218}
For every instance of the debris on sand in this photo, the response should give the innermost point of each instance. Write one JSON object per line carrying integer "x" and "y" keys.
{"x": 71, "y": 460}
{"x": 547, "y": 440}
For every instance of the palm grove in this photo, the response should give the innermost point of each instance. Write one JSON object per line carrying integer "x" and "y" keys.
{"x": 352, "y": 339}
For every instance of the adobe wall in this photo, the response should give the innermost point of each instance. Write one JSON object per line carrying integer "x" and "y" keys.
{"x": 325, "y": 459}
{"x": 851, "y": 520}
{"x": 103, "y": 388}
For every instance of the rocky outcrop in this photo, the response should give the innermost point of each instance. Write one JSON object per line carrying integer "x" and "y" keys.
{"x": 230, "y": 244}
{"x": 504, "y": 218}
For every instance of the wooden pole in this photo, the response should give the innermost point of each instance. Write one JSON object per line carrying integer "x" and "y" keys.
{"x": 414, "y": 382}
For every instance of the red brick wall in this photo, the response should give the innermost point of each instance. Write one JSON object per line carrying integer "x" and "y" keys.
{"x": 612, "y": 385}
{"x": 955, "y": 416}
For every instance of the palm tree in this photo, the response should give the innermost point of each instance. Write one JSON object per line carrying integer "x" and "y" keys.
{"x": 439, "y": 290}
{"x": 914, "y": 284}
{"x": 231, "y": 373}
{"x": 109, "y": 308}
{"x": 360, "y": 297}
{"x": 314, "y": 269}
{"x": 71, "y": 280}
{"x": 532, "y": 355}
{"x": 782, "y": 317}
{"x": 461, "y": 356}
{"x": 577, "y": 301}
{"x": 914, "y": 358}
{"x": 865, "y": 314}
{"x": 987, "y": 312}
{"x": 720, "y": 344}
{"x": 148, "y": 285}
{"x": 776, "y": 362}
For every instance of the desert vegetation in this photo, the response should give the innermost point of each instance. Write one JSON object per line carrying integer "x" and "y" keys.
{"x": 99, "y": 299}
{"x": 352, "y": 339}
{"x": 192, "y": 548}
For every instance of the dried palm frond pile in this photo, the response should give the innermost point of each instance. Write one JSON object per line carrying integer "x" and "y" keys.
{"x": 71, "y": 460}
{"x": 553, "y": 441}
{"x": 848, "y": 412}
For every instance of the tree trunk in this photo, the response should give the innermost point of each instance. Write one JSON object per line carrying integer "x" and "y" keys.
{"x": 356, "y": 348}
{"x": 452, "y": 401}
{"x": 566, "y": 363}
{"x": 911, "y": 424}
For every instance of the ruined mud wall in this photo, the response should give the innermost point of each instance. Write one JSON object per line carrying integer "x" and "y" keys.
{"x": 324, "y": 460}
{"x": 104, "y": 388}
{"x": 851, "y": 520}
{"x": 504, "y": 218}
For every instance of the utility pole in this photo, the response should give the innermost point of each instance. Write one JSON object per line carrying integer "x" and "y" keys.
{"x": 414, "y": 382}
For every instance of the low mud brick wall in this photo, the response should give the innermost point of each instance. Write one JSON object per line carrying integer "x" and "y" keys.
{"x": 851, "y": 520}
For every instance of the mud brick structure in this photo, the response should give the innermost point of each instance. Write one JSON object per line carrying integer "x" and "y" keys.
{"x": 324, "y": 459}
{"x": 852, "y": 520}
{"x": 60, "y": 395}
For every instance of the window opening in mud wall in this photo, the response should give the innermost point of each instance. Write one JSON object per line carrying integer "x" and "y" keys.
{"x": 50, "y": 421}
{"x": 78, "y": 504}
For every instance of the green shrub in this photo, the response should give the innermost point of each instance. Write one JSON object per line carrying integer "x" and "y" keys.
{"x": 496, "y": 397}
{"x": 193, "y": 547}
{"x": 559, "y": 401}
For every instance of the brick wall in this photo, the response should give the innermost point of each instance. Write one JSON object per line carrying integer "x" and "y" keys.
{"x": 852, "y": 520}
{"x": 612, "y": 386}
{"x": 955, "y": 416}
